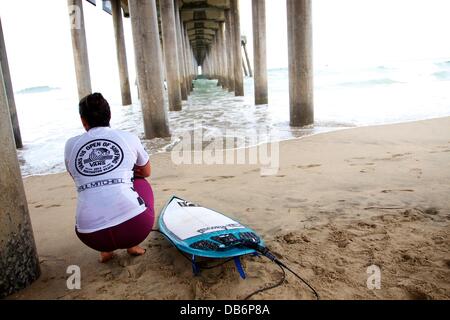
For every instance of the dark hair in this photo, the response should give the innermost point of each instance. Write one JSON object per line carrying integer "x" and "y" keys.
{"x": 95, "y": 110}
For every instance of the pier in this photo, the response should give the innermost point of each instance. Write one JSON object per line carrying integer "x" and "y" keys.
{"x": 173, "y": 40}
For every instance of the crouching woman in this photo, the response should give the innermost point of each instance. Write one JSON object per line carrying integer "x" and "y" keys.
{"x": 115, "y": 208}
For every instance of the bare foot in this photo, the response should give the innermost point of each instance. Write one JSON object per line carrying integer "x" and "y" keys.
{"x": 106, "y": 256}
{"x": 136, "y": 251}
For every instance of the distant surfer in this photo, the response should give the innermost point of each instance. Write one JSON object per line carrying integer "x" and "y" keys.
{"x": 115, "y": 207}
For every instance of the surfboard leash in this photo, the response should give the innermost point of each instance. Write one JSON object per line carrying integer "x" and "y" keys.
{"x": 278, "y": 284}
{"x": 269, "y": 255}
{"x": 263, "y": 251}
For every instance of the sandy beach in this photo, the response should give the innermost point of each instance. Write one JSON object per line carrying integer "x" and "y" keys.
{"x": 341, "y": 202}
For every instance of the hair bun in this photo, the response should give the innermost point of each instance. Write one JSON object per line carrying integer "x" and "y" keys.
{"x": 95, "y": 110}
{"x": 96, "y": 100}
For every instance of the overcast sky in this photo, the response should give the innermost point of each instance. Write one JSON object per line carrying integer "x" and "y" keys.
{"x": 346, "y": 32}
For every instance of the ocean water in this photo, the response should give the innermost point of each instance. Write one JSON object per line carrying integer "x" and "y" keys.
{"x": 345, "y": 97}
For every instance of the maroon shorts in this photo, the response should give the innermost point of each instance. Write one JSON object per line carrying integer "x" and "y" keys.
{"x": 128, "y": 234}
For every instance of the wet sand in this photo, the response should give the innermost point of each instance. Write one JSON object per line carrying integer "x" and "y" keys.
{"x": 341, "y": 202}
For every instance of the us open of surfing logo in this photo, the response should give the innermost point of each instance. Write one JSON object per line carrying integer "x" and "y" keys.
{"x": 98, "y": 157}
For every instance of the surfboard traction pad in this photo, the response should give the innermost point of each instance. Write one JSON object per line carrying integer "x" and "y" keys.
{"x": 202, "y": 232}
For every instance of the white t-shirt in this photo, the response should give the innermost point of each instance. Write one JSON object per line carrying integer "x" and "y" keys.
{"x": 101, "y": 162}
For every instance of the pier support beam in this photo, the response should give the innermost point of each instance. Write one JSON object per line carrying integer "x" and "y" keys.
{"x": 189, "y": 61}
{"x": 259, "y": 51}
{"x": 218, "y": 55}
{"x": 186, "y": 60}
{"x": 214, "y": 64}
{"x": 79, "y": 46}
{"x": 247, "y": 59}
{"x": 223, "y": 56}
{"x": 238, "y": 72}
{"x": 300, "y": 42}
{"x": 121, "y": 52}
{"x": 168, "y": 26}
{"x": 181, "y": 65}
{"x": 19, "y": 263}
{"x": 144, "y": 24}
{"x": 230, "y": 50}
{"x": 9, "y": 90}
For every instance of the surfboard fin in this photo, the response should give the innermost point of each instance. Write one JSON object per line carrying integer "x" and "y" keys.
{"x": 195, "y": 267}
{"x": 240, "y": 269}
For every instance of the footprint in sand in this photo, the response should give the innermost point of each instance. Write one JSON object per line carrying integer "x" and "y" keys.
{"x": 362, "y": 164}
{"x": 404, "y": 190}
{"x": 438, "y": 240}
{"x": 292, "y": 238}
{"x": 430, "y": 211}
{"x": 53, "y": 206}
{"x": 417, "y": 294}
{"x": 395, "y": 157}
{"x": 293, "y": 203}
{"x": 318, "y": 271}
{"x": 417, "y": 171}
{"x": 367, "y": 170}
{"x": 365, "y": 225}
{"x": 59, "y": 188}
{"x": 441, "y": 149}
{"x": 219, "y": 178}
{"x": 253, "y": 171}
{"x": 340, "y": 261}
{"x": 341, "y": 238}
{"x": 311, "y": 166}
{"x": 296, "y": 200}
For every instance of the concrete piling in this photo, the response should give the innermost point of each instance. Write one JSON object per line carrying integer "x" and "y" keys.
{"x": 218, "y": 54}
{"x": 223, "y": 56}
{"x": 186, "y": 60}
{"x": 168, "y": 24}
{"x": 300, "y": 42}
{"x": 121, "y": 52}
{"x": 181, "y": 64}
{"x": 259, "y": 51}
{"x": 236, "y": 27}
{"x": 144, "y": 23}
{"x": 19, "y": 263}
{"x": 230, "y": 53}
{"x": 190, "y": 62}
{"x": 9, "y": 90}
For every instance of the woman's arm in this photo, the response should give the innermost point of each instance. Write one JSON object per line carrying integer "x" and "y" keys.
{"x": 143, "y": 172}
